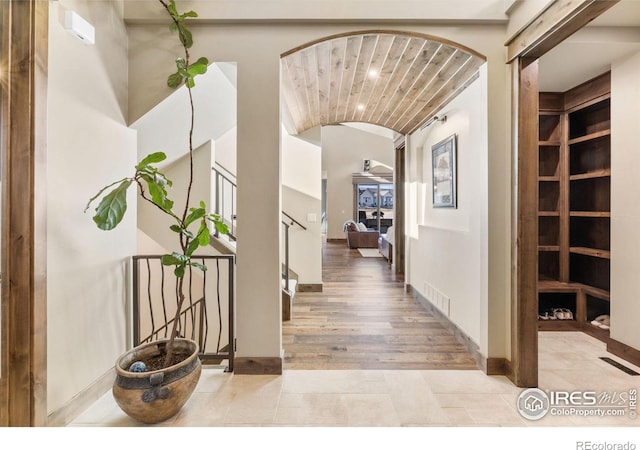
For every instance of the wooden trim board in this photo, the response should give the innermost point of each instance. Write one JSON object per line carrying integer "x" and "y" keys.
{"x": 459, "y": 334}
{"x": 5, "y": 46}
{"x": 24, "y": 216}
{"x": 556, "y": 23}
{"x": 397, "y": 252}
{"x": 309, "y": 287}
{"x": 524, "y": 304}
{"x": 624, "y": 351}
{"x": 497, "y": 366}
{"x": 246, "y": 365}
{"x": 490, "y": 366}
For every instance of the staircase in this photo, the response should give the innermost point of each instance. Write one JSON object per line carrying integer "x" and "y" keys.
{"x": 225, "y": 207}
{"x": 288, "y": 292}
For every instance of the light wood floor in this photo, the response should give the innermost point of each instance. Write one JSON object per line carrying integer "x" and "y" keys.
{"x": 364, "y": 319}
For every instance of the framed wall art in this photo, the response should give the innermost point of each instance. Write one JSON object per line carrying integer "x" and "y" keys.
{"x": 443, "y": 169}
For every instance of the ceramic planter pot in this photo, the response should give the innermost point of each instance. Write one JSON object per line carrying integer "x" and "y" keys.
{"x": 155, "y": 396}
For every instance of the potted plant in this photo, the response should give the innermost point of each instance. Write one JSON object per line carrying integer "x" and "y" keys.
{"x": 146, "y": 390}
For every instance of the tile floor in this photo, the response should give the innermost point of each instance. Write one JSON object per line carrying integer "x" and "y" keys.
{"x": 391, "y": 398}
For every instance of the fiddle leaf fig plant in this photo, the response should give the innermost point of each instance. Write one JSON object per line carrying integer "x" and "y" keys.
{"x": 191, "y": 225}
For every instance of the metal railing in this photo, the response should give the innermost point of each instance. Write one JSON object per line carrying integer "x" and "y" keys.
{"x": 225, "y": 201}
{"x": 288, "y": 224}
{"x": 225, "y": 206}
{"x": 207, "y": 315}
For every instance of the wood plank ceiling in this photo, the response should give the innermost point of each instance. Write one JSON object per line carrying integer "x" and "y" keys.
{"x": 392, "y": 79}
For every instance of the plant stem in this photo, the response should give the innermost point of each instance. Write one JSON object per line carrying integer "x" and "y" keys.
{"x": 184, "y": 240}
{"x": 144, "y": 197}
{"x": 174, "y": 330}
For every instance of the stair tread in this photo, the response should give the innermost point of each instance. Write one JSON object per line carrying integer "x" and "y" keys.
{"x": 226, "y": 246}
{"x": 292, "y": 286}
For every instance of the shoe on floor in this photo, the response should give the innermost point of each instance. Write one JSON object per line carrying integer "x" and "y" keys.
{"x": 560, "y": 313}
{"x": 603, "y": 321}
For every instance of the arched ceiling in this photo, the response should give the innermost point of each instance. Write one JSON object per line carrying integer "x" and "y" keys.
{"x": 392, "y": 79}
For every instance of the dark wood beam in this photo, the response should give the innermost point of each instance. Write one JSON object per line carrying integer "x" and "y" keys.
{"x": 5, "y": 47}
{"x": 524, "y": 332}
{"x": 559, "y": 21}
{"x": 24, "y": 353}
{"x": 399, "y": 208}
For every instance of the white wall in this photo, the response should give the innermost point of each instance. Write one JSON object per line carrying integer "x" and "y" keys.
{"x": 491, "y": 11}
{"x": 89, "y": 146}
{"x": 301, "y": 197}
{"x": 225, "y": 150}
{"x": 155, "y": 223}
{"x": 343, "y": 150}
{"x": 166, "y": 127}
{"x": 258, "y": 296}
{"x": 447, "y": 247}
{"x": 523, "y": 12}
{"x": 625, "y": 208}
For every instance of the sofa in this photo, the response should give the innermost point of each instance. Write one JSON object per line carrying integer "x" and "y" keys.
{"x": 358, "y": 236}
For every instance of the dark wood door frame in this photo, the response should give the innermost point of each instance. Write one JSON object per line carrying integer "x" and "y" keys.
{"x": 399, "y": 206}
{"x": 560, "y": 20}
{"x": 524, "y": 308}
{"x": 24, "y": 41}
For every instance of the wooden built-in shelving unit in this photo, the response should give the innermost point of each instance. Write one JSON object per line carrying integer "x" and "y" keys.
{"x": 574, "y": 205}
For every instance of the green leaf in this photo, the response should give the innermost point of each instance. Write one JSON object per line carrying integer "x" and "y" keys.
{"x": 181, "y": 63}
{"x": 111, "y": 209}
{"x": 221, "y": 227}
{"x": 175, "y": 229}
{"x": 190, "y": 14}
{"x": 159, "y": 196}
{"x": 151, "y": 159}
{"x": 160, "y": 179}
{"x": 193, "y": 245}
{"x": 179, "y": 271}
{"x": 203, "y": 234}
{"x": 173, "y": 259}
{"x": 189, "y": 82}
{"x": 101, "y": 191}
{"x": 199, "y": 266}
{"x": 172, "y": 7}
{"x": 199, "y": 67}
{"x": 175, "y": 80}
{"x": 169, "y": 260}
{"x": 186, "y": 37}
{"x": 195, "y": 215}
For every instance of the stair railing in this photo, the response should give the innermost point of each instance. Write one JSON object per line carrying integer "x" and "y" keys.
{"x": 288, "y": 224}
{"x": 226, "y": 189}
{"x": 225, "y": 201}
{"x": 208, "y": 294}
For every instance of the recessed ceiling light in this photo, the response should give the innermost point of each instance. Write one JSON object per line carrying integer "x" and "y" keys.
{"x": 373, "y": 73}
{"x": 360, "y": 107}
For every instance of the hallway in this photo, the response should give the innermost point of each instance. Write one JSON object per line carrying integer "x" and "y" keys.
{"x": 390, "y": 398}
{"x": 364, "y": 319}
